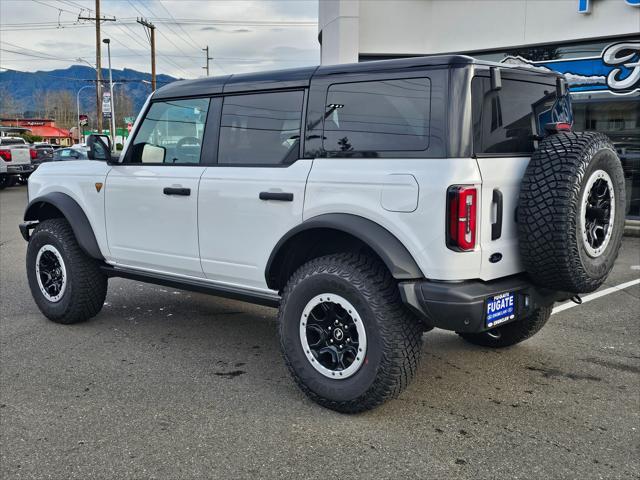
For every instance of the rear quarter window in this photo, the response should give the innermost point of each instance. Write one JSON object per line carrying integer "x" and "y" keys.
{"x": 376, "y": 116}
{"x": 506, "y": 121}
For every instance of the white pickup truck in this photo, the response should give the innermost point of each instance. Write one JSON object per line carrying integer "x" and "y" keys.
{"x": 15, "y": 160}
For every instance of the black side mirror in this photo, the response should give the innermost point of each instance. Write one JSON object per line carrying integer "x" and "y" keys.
{"x": 99, "y": 147}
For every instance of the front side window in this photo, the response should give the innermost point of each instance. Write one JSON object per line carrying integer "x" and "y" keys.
{"x": 260, "y": 129}
{"x": 171, "y": 133}
{"x": 388, "y": 115}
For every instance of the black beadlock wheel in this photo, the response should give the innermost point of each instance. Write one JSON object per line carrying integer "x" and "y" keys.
{"x": 346, "y": 337}
{"x": 571, "y": 212}
{"x": 511, "y": 333}
{"x": 66, "y": 284}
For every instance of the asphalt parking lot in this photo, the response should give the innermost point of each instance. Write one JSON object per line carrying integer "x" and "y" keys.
{"x": 169, "y": 384}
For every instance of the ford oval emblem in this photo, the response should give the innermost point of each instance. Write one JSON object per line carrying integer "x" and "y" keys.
{"x": 495, "y": 258}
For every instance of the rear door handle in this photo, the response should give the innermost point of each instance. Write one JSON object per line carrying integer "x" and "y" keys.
{"x": 496, "y": 228}
{"x": 281, "y": 196}
{"x": 177, "y": 191}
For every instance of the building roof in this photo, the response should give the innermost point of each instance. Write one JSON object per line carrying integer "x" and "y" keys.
{"x": 50, "y": 132}
{"x": 301, "y": 77}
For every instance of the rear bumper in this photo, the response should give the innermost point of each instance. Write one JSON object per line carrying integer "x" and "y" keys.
{"x": 21, "y": 168}
{"x": 461, "y": 307}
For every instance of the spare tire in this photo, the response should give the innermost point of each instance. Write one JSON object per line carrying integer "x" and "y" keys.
{"x": 571, "y": 212}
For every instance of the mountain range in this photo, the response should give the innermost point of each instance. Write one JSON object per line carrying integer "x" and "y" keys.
{"x": 21, "y": 86}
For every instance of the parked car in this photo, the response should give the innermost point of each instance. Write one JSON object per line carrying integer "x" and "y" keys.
{"x": 44, "y": 152}
{"x": 70, "y": 153}
{"x": 369, "y": 203}
{"x": 16, "y": 157}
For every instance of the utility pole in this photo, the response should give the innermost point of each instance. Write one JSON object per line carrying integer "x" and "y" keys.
{"x": 98, "y": 19}
{"x": 112, "y": 127}
{"x": 206, "y": 50}
{"x": 151, "y": 35}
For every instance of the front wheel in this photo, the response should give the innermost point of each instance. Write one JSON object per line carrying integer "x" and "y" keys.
{"x": 346, "y": 337}
{"x": 66, "y": 284}
{"x": 511, "y": 333}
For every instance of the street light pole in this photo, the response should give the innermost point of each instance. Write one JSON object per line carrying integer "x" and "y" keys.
{"x": 113, "y": 106}
{"x": 78, "y": 105}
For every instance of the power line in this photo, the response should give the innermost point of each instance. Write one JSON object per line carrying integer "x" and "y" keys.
{"x": 52, "y": 6}
{"x": 132, "y": 34}
{"x": 193, "y": 42}
{"x": 159, "y": 31}
{"x": 164, "y": 36}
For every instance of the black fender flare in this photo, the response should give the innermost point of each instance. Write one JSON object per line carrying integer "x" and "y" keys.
{"x": 73, "y": 213}
{"x": 391, "y": 251}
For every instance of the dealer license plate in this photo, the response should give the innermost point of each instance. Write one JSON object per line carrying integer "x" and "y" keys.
{"x": 500, "y": 309}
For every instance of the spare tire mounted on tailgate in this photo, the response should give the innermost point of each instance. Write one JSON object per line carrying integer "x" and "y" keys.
{"x": 571, "y": 211}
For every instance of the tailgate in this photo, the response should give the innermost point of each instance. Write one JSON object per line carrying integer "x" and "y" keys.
{"x": 501, "y": 178}
{"x": 20, "y": 156}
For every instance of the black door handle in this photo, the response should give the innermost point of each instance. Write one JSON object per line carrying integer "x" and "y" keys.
{"x": 177, "y": 191}
{"x": 281, "y": 196}
{"x": 496, "y": 228}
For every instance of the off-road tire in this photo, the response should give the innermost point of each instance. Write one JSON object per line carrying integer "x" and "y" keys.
{"x": 551, "y": 245}
{"x": 511, "y": 333}
{"x": 86, "y": 287}
{"x": 393, "y": 332}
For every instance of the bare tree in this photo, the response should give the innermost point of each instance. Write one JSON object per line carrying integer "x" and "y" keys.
{"x": 10, "y": 107}
{"x": 59, "y": 106}
{"x": 124, "y": 107}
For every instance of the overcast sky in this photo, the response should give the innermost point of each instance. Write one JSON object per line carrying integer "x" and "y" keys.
{"x": 242, "y": 35}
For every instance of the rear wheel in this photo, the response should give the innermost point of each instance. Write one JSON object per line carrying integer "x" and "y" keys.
{"x": 66, "y": 284}
{"x": 511, "y": 333}
{"x": 6, "y": 181}
{"x": 346, "y": 337}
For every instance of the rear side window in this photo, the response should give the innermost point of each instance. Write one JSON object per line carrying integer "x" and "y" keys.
{"x": 506, "y": 120}
{"x": 171, "y": 133}
{"x": 388, "y": 115}
{"x": 261, "y": 129}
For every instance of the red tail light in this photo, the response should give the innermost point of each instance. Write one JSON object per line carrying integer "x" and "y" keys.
{"x": 33, "y": 153}
{"x": 5, "y": 155}
{"x": 462, "y": 207}
{"x": 557, "y": 127}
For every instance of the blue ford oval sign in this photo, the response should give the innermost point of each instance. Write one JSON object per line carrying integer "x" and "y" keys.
{"x": 584, "y": 6}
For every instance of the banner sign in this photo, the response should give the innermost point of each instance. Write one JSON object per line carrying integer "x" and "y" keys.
{"x": 106, "y": 104}
{"x": 615, "y": 70}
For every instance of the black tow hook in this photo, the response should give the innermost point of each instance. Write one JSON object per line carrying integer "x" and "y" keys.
{"x": 576, "y": 299}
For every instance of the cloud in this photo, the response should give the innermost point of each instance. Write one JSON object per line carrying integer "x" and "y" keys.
{"x": 235, "y": 41}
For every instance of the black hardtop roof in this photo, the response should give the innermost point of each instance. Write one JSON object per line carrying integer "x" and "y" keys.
{"x": 301, "y": 77}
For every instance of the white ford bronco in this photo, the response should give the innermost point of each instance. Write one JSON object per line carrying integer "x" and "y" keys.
{"x": 369, "y": 202}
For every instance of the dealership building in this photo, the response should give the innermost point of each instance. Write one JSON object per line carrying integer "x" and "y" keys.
{"x": 595, "y": 43}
